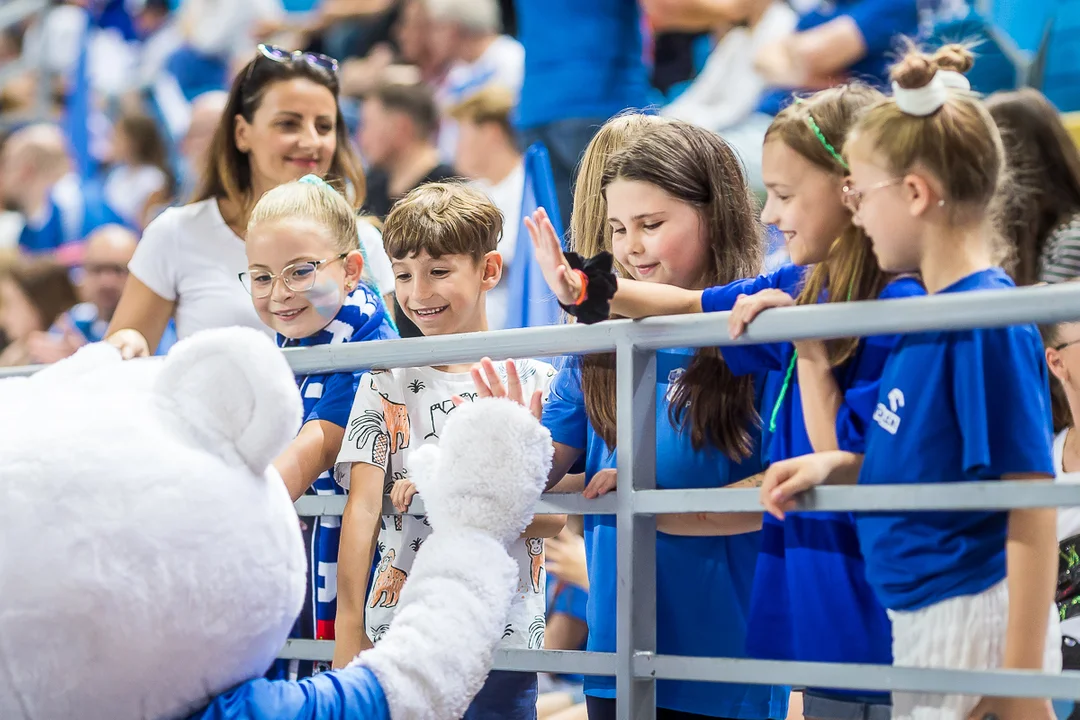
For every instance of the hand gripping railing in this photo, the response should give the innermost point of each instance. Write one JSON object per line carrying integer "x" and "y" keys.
{"x": 636, "y": 664}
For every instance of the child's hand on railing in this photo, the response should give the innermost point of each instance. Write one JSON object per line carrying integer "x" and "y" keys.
{"x": 603, "y": 482}
{"x": 563, "y": 281}
{"x": 130, "y": 343}
{"x": 489, "y": 384}
{"x": 786, "y": 480}
{"x": 748, "y": 307}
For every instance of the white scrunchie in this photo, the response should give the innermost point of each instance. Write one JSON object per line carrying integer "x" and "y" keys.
{"x": 927, "y": 100}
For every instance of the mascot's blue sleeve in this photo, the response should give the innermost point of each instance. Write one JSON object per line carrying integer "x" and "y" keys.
{"x": 354, "y": 694}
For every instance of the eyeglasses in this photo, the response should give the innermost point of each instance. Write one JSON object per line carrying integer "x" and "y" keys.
{"x": 298, "y": 277}
{"x": 1064, "y": 345}
{"x": 283, "y": 56}
{"x": 853, "y": 198}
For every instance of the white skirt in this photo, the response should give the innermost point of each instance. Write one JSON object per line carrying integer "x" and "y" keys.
{"x": 961, "y": 633}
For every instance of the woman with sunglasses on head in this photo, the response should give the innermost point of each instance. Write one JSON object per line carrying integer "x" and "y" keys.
{"x": 282, "y": 121}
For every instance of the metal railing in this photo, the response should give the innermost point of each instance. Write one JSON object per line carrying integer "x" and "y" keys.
{"x": 636, "y": 663}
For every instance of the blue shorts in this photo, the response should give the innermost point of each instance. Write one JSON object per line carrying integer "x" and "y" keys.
{"x": 822, "y": 707}
{"x": 505, "y": 696}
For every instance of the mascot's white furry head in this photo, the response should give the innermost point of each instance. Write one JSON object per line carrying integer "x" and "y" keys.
{"x": 147, "y": 488}
{"x": 151, "y": 563}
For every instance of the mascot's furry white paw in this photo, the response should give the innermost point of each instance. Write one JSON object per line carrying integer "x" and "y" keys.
{"x": 149, "y": 557}
{"x": 479, "y": 488}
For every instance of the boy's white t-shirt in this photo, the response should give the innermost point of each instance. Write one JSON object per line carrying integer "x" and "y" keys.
{"x": 1068, "y": 518}
{"x": 394, "y": 413}
{"x": 190, "y": 256}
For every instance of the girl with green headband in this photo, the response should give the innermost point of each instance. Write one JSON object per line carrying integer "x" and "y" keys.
{"x": 811, "y": 601}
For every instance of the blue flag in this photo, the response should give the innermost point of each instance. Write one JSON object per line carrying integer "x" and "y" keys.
{"x": 77, "y": 110}
{"x": 530, "y": 302}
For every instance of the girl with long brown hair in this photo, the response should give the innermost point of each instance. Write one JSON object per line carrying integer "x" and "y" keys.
{"x": 675, "y": 198}
{"x": 822, "y": 395}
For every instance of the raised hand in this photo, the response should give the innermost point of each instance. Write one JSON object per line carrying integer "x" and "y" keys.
{"x": 563, "y": 281}
{"x": 488, "y": 384}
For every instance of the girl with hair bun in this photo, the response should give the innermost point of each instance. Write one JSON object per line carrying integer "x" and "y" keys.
{"x": 964, "y": 590}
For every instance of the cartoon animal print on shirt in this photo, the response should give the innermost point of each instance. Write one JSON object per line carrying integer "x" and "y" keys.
{"x": 388, "y": 582}
{"x": 396, "y": 416}
{"x": 367, "y": 431}
{"x": 536, "y": 632}
{"x": 378, "y": 633}
{"x": 439, "y": 411}
{"x": 536, "y": 559}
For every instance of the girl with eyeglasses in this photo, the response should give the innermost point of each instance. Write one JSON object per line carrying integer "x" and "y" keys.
{"x": 965, "y": 590}
{"x": 304, "y": 279}
{"x": 282, "y": 121}
{"x": 811, "y": 601}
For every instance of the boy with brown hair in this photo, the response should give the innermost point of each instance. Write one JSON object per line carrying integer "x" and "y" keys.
{"x": 442, "y": 240}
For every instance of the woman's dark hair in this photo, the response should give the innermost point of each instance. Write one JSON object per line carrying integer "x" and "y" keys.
{"x": 696, "y": 167}
{"x": 228, "y": 174}
{"x": 47, "y": 285}
{"x": 1043, "y": 168}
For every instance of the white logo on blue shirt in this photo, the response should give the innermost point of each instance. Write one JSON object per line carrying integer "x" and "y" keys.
{"x": 888, "y": 417}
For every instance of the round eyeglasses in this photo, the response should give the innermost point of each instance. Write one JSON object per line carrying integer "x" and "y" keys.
{"x": 298, "y": 277}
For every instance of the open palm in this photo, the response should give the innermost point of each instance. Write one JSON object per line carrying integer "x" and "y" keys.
{"x": 563, "y": 281}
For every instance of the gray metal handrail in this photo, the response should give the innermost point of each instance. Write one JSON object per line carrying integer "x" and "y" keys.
{"x": 636, "y": 664}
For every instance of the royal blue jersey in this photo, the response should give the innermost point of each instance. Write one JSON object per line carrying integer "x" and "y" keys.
{"x": 811, "y": 599}
{"x": 329, "y": 398}
{"x": 703, "y": 584}
{"x": 957, "y": 406}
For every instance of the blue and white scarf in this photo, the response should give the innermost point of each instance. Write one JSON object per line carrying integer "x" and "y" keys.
{"x": 363, "y": 317}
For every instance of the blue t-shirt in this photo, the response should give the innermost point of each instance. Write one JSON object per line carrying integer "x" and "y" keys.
{"x": 337, "y": 695}
{"x": 957, "y": 406}
{"x": 811, "y": 600}
{"x": 880, "y": 22}
{"x": 702, "y": 583}
{"x": 566, "y": 599}
{"x": 583, "y": 60}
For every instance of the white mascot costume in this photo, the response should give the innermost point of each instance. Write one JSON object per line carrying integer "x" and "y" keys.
{"x": 151, "y": 564}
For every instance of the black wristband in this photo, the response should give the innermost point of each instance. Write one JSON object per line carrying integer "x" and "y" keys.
{"x": 599, "y": 290}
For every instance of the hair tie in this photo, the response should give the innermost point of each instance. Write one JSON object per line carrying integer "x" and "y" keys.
{"x": 924, "y": 101}
{"x": 317, "y": 181}
{"x": 954, "y": 80}
{"x": 821, "y": 136}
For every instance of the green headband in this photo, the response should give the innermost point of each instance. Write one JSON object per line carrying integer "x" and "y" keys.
{"x": 821, "y": 136}
{"x": 317, "y": 182}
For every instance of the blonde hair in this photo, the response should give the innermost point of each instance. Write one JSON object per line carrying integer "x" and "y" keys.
{"x": 493, "y": 104}
{"x": 959, "y": 143}
{"x": 850, "y": 270}
{"x": 312, "y": 200}
{"x": 590, "y": 231}
{"x": 444, "y": 218}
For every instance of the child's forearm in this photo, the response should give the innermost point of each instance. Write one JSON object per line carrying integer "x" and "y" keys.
{"x": 635, "y": 299}
{"x": 709, "y": 524}
{"x": 360, "y": 526}
{"x": 545, "y": 526}
{"x": 821, "y": 395}
{"x": 311, "y": 453}
{"x": 1031, "y": 558}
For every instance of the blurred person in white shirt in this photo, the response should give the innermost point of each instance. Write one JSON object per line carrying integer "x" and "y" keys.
{"x": 468, "y": 32}
{"x": 487, "y": 153}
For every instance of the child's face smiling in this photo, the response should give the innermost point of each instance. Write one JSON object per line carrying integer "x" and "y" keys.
{"x": 446, "y": 294}
{"x": 286, "y": 243}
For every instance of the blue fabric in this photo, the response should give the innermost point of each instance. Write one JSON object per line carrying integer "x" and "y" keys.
{"x": 529, "y": 300}
{"x": 84, "y": 320}
{"x": 329, "y": 398}
{"x": 197, "y": 73}
{"x": 881, "y": 23}
{"x": 351, "y": 694}
{"x": 811, "y": 600}
{"x": 703, "y": 584}
{"x": 62, "y": 225}
{"x": 566, "y": 599}
{"x": 505, "y": 696}
{"x": 582, "y": 59}
{"x": 955, "y": 406}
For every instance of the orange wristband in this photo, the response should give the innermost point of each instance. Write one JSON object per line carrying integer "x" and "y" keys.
{"x": 584, "y": 288}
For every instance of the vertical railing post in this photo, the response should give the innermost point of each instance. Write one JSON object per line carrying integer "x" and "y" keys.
{"x": 636, "y": 564}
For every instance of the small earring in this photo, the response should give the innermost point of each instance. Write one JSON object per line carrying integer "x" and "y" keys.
{"x": 941, "y": 203}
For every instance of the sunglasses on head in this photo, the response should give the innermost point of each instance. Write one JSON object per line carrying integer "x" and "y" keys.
{"x": 283, "y": 56}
